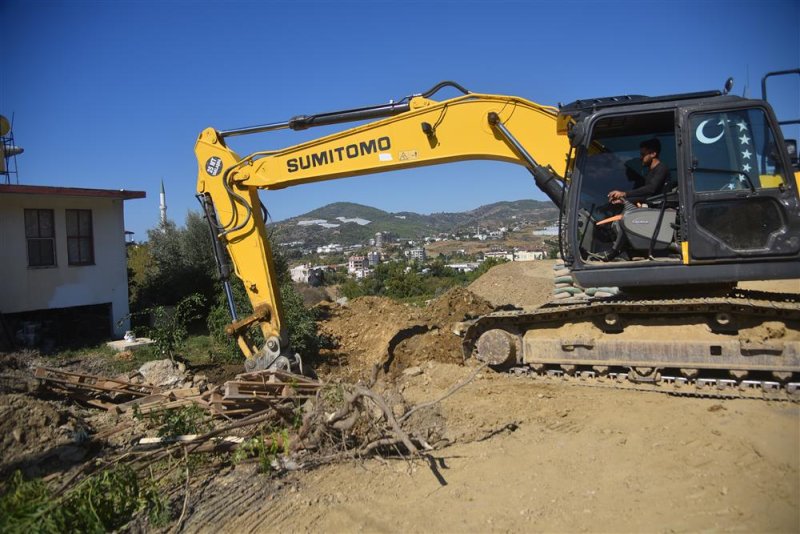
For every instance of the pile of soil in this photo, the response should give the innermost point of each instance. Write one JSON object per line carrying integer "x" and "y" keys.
{"x": 520, "y": 283}
{"x": 376, "y": 330}
{"x": 438, "y": 343}
{"x": 362, "y": 329}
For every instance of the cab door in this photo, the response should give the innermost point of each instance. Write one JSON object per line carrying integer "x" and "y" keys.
{"x": 740, "y": 200}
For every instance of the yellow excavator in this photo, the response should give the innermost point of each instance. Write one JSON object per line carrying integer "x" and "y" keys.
{"x": 728, "y": 211}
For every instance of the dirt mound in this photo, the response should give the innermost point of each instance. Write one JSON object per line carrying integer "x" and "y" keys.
{"x": 362, "y": 330}
{"x": 314, "y": 295}
{"x": 38, "y": 435}
{"x": 456, "y": 305}
{"x": 375, "y": 330}
{"x": 433, "y": 338}
{"x": 518, "y": 283}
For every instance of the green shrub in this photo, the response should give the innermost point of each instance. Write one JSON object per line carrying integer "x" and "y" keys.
{"x": 170, "y": 327}
{"x": 100, "y": 503}
{"x": 299, "y": 321}
{"x": 181, "y": 421}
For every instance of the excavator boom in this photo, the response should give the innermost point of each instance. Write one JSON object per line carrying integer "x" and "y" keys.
{"x": 417, "y": 133}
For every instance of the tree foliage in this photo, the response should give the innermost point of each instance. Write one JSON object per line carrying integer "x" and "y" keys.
{"x": 300, "y": 321}
{"x": 175, "y": 263}
{"x": 179, "y": 262}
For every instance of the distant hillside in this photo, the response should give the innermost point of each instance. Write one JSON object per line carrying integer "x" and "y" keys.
{"x": 348, "y": 223}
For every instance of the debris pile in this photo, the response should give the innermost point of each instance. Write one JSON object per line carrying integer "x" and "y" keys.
{"x": 250, "y": 393}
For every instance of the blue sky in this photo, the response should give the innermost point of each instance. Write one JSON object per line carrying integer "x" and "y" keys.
{"x": 113, "y": 94}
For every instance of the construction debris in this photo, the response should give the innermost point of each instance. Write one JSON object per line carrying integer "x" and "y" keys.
{"x": 250, "y": 393}
{"x": 79, "y": 383}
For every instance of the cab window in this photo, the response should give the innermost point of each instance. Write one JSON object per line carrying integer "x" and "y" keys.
{"x": 734, "y": 150}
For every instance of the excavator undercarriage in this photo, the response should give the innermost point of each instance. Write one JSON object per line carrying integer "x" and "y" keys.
{"x": 742, "y": 345}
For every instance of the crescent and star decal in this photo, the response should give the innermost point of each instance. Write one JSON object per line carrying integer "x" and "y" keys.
{"x": 703, "y": 138}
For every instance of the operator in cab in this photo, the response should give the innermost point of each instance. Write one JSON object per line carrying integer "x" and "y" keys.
{"x": 655, "y": 180}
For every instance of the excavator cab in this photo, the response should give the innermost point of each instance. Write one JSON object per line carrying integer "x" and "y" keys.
{"x": 728, "y": 212}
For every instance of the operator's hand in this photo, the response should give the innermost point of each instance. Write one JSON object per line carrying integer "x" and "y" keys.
{"x": 616, "y": 197}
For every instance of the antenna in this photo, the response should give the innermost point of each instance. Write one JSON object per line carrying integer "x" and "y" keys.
{"x": 8, "y": 151}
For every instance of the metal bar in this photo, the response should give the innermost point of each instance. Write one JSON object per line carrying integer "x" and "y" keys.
{"x": 764, "y": 89}
{"x": 301, "y": 122}
{"x": 254, "y": 129}
{"x": 545, "y": 179}
{"x": 219, "y": 254}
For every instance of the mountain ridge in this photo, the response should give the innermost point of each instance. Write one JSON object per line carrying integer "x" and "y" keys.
{"x": 405, "y": 224}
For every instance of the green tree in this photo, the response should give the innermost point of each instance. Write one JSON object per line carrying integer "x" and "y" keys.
{"x": 300, "y": 321}
{"x": 178, "y": 262}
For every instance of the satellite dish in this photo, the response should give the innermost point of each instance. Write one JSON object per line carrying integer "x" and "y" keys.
{"x": 5, "y": 126}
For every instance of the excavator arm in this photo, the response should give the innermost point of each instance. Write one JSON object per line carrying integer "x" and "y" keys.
{"x": 415, "y": 132}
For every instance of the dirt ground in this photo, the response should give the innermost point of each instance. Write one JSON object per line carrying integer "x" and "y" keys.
{"x": 521, "y": 454}
{"x": 539, "y": 456}
{"x": 529, "y": 454}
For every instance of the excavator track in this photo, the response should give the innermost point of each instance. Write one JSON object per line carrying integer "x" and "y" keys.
{"x": 745, "y": 344}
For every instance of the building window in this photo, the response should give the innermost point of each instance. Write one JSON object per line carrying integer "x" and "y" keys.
{"x": 80, "y": 243}
{"x": 40, "y": 233}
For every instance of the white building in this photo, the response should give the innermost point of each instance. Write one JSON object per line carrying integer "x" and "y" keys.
{"x": 528, "y": 255}
{"x": 63, "y": 248}
{"x": 463, "y": 267}
{"x": 332, "y": 248}
{"x": 299, "y": 274}
{"x": 547, "y": 231}
{"x": 499, "y": 254}
{"x": 416, "y": 253}
{"x": 356, "y": 263}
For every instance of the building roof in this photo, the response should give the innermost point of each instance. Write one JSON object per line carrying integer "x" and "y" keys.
{"x": 70, "y": 191}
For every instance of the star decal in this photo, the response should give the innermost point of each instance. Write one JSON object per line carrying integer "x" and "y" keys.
{"x": 742, "y": 126}
{"x": 744, "y": 139}
{"x": 746, "y": 154}
{"x": 746, "y": 168}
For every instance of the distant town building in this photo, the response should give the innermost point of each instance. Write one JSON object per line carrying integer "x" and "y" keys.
{"x": 373, "y": 258}
{"x": 499, "y": 254}
{"x": 547, "y": 231}
{"x": 417, "y": 253}
{"x": 306, "y": 274}
{"x": 379, "y": 239}
{"x": 300, "y": 273}
{"x": 332, "y": 248}
{"x": 528, "y": 255}
{"x": 356, "y": 263}
{"x": 463, "y": 267}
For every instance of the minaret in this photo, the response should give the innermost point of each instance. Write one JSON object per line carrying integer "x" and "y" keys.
{"x": 163, "y": 202}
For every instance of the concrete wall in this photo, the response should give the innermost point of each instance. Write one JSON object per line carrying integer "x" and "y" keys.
{"x": 24, "y": 288}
